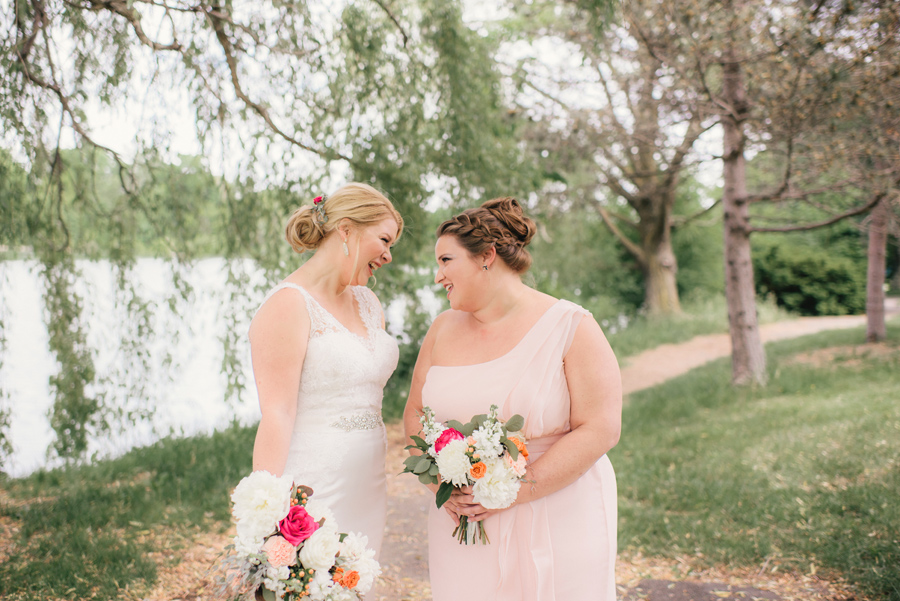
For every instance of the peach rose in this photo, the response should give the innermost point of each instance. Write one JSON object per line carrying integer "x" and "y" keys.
{"x": 350, "y": 579}
{"x": 478, "y": 470}
{"x": 520, "y": 445}
{"x": 280, "y": 552}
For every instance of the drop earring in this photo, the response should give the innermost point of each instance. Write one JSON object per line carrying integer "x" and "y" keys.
{"x": 346, "y": 250}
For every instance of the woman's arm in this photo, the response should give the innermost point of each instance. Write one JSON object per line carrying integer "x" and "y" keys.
{"x": 595, "y": 388}
{"x": 278, "y": 341}
{"x": 413, "y": 409}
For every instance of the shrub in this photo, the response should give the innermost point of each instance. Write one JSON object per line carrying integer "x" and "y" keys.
{"x": 808, "y": 281}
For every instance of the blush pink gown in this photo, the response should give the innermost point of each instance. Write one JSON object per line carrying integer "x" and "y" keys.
{"x": 561, "y": 547}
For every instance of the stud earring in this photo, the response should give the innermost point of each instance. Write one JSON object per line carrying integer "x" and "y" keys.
{"x": 346, "y": 250}
{"x": 484, "y": 267}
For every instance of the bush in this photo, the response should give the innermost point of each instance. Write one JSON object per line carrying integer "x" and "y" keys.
{"x": 808, "y": 281}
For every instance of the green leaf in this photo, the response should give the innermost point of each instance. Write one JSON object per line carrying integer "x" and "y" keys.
{"x": 427, "y": 478}
{"x": 443, "y": 494}
{"x": 423, "y": 465}
{"x": 433, "y": 470}
{"x": 455, "y": 425}
{"x": 419, "y": 442}
{"x": 515, "y": 423}
{"x": 411, "y": 462}
{"x": 468, "y": 429}
{"x": 512, "y": 448}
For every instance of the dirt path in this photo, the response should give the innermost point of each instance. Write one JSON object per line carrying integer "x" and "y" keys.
{"x": 404, "y": 554}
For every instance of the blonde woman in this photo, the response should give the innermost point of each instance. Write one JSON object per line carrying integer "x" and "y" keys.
{"x": 321, "y": 358}
{"x": 546, "y": 359}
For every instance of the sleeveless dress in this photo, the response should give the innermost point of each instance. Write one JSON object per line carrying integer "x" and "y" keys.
{"x": 561, "y": 547}
{"x": 339, "y": 442}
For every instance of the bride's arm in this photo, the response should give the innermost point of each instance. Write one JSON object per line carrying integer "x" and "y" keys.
{"x": 595, "y": 416}
{"x": 278, "y": 339}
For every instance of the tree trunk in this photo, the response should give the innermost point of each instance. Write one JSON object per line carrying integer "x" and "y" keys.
{"x": 748, "y": 359}
{"x": 878, "y": 231}
{"x": 661, "y": 296}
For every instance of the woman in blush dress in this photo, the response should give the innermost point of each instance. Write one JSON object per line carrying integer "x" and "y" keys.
{"x": 321, "y": 358}
{"x": 507, "y": 344}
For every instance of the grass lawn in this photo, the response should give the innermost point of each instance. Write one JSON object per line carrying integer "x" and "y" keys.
{"x": 803, "y": 474}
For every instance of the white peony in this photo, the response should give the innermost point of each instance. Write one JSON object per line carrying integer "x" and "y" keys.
{"x": 320, "y": 587}
{"x": 453, "y": 463}
{"x": 260, "y": 501}
{"x": 499, "y": 486}
{"x": 319, "y": 550}
{"x": 356, "y": 556}
{"x": 247, "y": 547}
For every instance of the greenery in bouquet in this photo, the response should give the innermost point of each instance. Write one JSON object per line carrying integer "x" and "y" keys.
{"x": 486, "y": 453}
{"x": 288, "y": 547}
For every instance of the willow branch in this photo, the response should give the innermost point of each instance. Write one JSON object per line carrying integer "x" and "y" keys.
{"x": 394, "y": 19}
{"x": 227, "y": 47}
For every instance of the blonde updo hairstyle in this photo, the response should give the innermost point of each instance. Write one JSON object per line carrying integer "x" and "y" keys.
{"x": 362, "y": 204}
{"x": 500, "y": 223}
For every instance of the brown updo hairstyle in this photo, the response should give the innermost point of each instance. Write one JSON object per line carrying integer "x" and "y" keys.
{"x": 362, "y": 204}
{"x": 499, "y": 222}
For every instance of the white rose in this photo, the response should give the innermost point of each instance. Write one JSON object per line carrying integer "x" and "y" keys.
{"x": 260, "y": 500}
{"x": 320, "y": 549}
{"x": 453, "y": 463}
{"x": 498, "y": 488}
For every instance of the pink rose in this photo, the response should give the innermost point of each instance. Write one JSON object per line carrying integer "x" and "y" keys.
{"x": 280, "y": 552}
{"x": 297, "y": 525}
{"x": 447, "y": 436}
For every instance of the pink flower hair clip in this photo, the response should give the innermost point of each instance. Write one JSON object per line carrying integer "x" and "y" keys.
{"x": 319, "y": 208}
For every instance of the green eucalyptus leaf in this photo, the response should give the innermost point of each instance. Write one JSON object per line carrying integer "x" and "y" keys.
{"x": 515, "y": 423}
{"x": 443, "y": 494}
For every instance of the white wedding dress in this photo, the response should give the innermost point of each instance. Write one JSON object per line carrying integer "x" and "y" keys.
{"x": 339, "y": 441}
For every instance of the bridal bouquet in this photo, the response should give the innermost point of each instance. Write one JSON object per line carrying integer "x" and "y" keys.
{"x": 483, "y": 453}
{"x": 288, "y": 546}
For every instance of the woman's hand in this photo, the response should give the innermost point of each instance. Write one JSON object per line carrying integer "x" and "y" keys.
{"x": 462, "y": 502}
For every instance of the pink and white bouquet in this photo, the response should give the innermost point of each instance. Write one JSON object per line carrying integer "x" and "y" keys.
{"x": 288, "y": 546}
{"x": 483, "y": 453}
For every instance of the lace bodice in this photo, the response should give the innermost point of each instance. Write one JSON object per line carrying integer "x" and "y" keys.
{"x": 344, "y": 373}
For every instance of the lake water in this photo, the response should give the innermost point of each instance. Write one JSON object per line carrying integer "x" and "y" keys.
{"x": 188, "y": 394}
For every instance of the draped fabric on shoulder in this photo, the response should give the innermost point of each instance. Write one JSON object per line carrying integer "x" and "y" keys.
{"x": 560, "y": 547}
{"x": 338, "y": 442}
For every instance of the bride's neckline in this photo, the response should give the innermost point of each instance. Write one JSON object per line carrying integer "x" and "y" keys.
{"x": 510, "y": 351}
{"x": 359, "y": 311}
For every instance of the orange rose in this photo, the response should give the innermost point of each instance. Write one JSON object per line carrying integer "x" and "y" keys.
{"x": 478, "y": 470}
{"x": 338, "y": 575}
{"x": 521, "y": 446}
{"x": 351, "y": 579}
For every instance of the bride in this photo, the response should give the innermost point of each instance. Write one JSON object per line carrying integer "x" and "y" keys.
{"x": 321, "y": 358}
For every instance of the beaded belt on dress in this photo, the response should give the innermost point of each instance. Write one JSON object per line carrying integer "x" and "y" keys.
{"x": 361, "y": 421}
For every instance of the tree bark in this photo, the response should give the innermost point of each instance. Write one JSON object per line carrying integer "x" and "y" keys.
{"x": 748, "y": 359}
{"x": 878, "y": 232}
{"x": 660, "y": 276}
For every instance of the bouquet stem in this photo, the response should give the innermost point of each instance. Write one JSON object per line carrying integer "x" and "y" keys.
{"x": 461, "y": 532}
